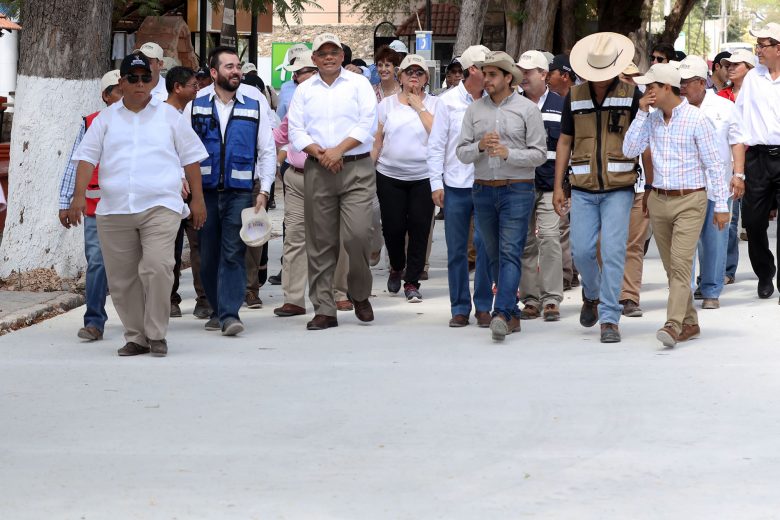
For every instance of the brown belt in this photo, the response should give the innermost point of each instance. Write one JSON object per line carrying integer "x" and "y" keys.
{"x": 501, "y": 182}
{"x": 299, "y": 170}
{"x": 347, "y": 158}
{"x": 677, "y": 193}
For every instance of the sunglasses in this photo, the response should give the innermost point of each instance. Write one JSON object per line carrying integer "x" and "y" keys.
{"x": 415, "y": 73}
{"x": 134, "y": 78}
{"x": 659, "y": 59}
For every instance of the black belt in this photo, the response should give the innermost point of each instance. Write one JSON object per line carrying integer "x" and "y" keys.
{"x": 347, "y": 158}
{"x": 771, "y": 149}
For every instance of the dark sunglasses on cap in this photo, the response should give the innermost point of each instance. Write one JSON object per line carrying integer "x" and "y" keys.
{"x": 134, "y": 78}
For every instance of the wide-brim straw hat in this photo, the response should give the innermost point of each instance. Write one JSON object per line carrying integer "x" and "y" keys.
{"x": 504, "y": 62}
{"x": 601, "y": 56}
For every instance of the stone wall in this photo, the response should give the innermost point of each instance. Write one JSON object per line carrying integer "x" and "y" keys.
{"x": 360, "y": 38}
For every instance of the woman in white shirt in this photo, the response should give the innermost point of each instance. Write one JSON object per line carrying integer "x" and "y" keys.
{"x": 400, "y": 150}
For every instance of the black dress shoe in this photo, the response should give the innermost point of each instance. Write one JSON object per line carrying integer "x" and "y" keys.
{"x": 275, "y": 279}
{"x": 766, "y": 286}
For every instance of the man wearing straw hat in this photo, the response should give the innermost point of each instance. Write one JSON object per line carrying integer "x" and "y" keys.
{"x": 503, "y": 135}
{"x": 596, "y": 116}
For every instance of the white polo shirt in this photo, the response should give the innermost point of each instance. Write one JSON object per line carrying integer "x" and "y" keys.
{"x": 758, "y": 108}
{"x": 720, "y": 112}
{"x": 328, "y": 114}
{"x": 159, "y": 91}
{"x": 141, "y": 156}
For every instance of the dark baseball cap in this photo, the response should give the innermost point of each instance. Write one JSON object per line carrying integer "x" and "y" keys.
{"x": 718, "y": 57}
{"x": 455, "y": 63}
{"x": 202, "y": 72}
{"x": 561, "y": 62}
{"x": 134, "y": 61}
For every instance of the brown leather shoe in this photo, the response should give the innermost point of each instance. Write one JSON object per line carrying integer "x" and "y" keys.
{"x": 500, "y": 328}
{"x": 344, "y": 305}
{"x": 529, "y": 312}
{"x": 133, "y": 349}
{"x": 551, "y": 312}
{"x": 689, "y": 331}
{"x": 363, "y": 310}
{"x": 288, "y": 309}
{"x": 90, "y": 333}
{"x": 710, "y": 303}
{"x": 459, "y": 320}
{"x": 667, "y": 335}
{"x": 322, "y": 322}
{"x": 483, "y": 319}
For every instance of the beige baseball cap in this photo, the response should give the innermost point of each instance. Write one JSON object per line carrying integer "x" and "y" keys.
{"x": 693, "y": 67}
{"x": 324, "y": 38}
{"x": 631, "y": 70}
{"x": 302, "y": 61}
{"x": 660, "y": 73}
{"x": 741, "y": 56}
{"x": 151, "y": 50}
{"x": 771, "y": 30}
{"x": 248, "y": 67}
{"x": 296, "y": 50}
{"x": 530, "y": 60}
{"x": 109, "y": 79}
{"x": 473, "y": 55}
{"x": 413, "y": 59}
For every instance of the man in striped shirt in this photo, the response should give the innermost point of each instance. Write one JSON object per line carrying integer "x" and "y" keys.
{"x": 681, "y": 140}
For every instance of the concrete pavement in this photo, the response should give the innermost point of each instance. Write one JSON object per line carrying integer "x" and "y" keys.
{"x": 404, "y": 418}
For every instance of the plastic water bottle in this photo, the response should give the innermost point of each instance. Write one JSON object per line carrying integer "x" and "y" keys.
{"x": 494, "y": 162}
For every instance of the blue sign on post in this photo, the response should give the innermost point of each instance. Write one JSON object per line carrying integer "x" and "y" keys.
{"x": 424, "y": 44}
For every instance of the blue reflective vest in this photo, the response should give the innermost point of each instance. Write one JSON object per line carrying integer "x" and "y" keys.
{"x": 231, "y": 161}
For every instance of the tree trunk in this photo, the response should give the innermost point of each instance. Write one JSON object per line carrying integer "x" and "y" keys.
{"x": 539, "y": 25}
{"x": 64, "y": 51}
{"x": 641, "y": 37}
{"x": 568, "y": 25}
{"x": 674, "y": 22}
{"x": 513, "y": 28}
{"x": 472, "y": 21}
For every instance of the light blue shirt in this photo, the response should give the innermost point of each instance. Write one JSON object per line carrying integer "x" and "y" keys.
{"x": 285, "y": 96}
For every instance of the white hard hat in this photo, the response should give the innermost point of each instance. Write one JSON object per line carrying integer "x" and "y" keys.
{"x": 255, "y": 227}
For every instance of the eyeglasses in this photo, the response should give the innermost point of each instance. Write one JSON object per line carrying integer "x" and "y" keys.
{"x": 415, "y": 73}
{"x": 134, "y": 78}
{"x": 659, "y": 59}
{"x": 758, "y": 46}
{"x": 303, "y": 72}
{"x": 325, "y": 54}
{"x": 192, "y": 84}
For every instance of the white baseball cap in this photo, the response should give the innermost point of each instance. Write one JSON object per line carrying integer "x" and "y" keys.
{"x": 399, "y": 46}
{"x": 301, "y": 62}
{"x": 530, "y": 60}
{"x": 664, "y": 73}
{"x": 255, "y": 227}
{"x": 109, "y": 79}
{"x": 414, "y": 59}
{"x": 741, "y": 56}
{"x": 473, "y": 55}
{"x": 771, "y": 30}
{"x": 151, "y": 50}
{"x": 693, "y": 67}
{"x": 296, "y": 50}
{"x": 248, "y": 67}
{"x": 324, "y": 38}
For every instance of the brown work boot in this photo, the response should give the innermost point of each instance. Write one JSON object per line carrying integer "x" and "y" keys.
{"x": 689, "y": 331}
{"x": 253, "y": 301}
{"x": 610, "y": 333}
{"x": 710, "y": 303}
{"x": 483, "y": 319}
{"x": 322, "y": 322}
{"x": 459, "y": 320}
{"x": 363, "y": 310}
{"x": 551, "y": 312}
{"x": 631, "y": 309}
{"x": 90, "y": 333}
{"x": 529, "y": 312}
{"x": 133, "y": 349}
{"x": 667, "y": 335}
{"x": 288, "y": 309}
{"x": 500, "y": 328}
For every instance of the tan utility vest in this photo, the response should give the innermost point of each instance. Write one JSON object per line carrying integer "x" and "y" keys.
{"x": 597, "y": 160}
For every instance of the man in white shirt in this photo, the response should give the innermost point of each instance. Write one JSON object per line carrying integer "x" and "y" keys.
{"x": 713, "y": 240}
{"x": 451, "y": 183}
{"x": 142, "y": 144}
{"x": 758, "y": 112}
{"x": 237, "y": 135}
{"x": 154, "y": 54}
{"x": 333, "y": 119}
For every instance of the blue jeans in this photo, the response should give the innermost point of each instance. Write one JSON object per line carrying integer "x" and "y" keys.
{"x": 732, "y": 253}
{"x": 458, "y": 209}
{"x": 222, "y": 264}
{"x": 713, "y": 243}
{"x": 502, "y": 215}
{"x": 97, "y": 284}
{"x": 606, "y": 214}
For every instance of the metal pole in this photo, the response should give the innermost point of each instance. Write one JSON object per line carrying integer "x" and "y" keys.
{"x": 202, "y": 31}
{"x": 253, "y": 37}
{"x": 427, "y": 15}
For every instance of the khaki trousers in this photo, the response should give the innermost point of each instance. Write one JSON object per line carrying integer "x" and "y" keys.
{"x": 635, "y": 251}
{"x": 570, "y": 273}
{"x": 294, "y": 264}
{"x": 139, "y": 266}
{"x": 338, "y": 209}
{"x": 253, "y": 258}
{"x": 541, "y": 282}
{"x": 677, "y": 223}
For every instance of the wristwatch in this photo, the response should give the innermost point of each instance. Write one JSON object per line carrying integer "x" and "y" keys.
{"x": 740, "y": 176}
{"x": 423, "y": 109}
